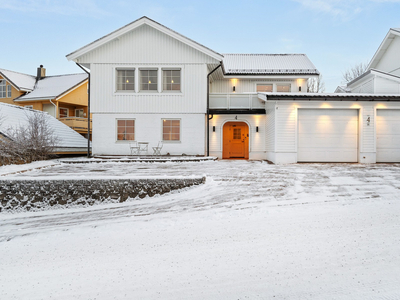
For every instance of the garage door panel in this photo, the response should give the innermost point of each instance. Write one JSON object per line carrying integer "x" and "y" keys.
{"x": 329, "y": 135}
{"x": 388, "y": 135}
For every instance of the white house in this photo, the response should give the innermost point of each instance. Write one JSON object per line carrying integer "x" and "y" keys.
{"x": 149, "y": 84}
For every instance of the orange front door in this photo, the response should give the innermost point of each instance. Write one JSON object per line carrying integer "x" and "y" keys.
{"x": 235, "y": 140}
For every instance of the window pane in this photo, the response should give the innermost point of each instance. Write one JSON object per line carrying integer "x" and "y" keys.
{"x": 171, "y": 80}
{"x": 264, "y": 88}
{"x": 175, "y": 122}
{"x": 125, "y": 80}
{"x": 283, "y": 88}
{"x": 125, "y": 130}
{"x": 171, "y": 130}
{"x": 121, "y": 123}
{"x": 148, "y": 79}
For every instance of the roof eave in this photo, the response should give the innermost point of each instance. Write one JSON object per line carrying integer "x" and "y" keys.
{"x": 373, "y": 62}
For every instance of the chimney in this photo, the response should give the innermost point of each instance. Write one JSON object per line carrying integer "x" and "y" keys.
{"x": 41, "y": 73}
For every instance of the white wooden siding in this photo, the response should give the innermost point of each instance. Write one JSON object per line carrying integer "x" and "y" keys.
{"x": 386, "y": 86}
{"x": 270, "y": 128}
{"x": 388, "y": 135}
{"x": 364, "y": 87}
{"x": 367, "y": 129}
{"x": 286, "y": 123}
{"x": 146, "y": 45}
{"x": 390, "y": 62}
{"x": 193, "y": 98}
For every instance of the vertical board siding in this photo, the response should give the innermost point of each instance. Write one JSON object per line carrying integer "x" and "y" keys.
{"x": 191, "y": 100}
{"x": 391, "y": 59}
{"x": 286, "y": 127}
{"x": 257, "y": 139}
{"x": 368, "y": 131}
{"x": 270, "y": 129}
{"x": 145, "y": 44}
{"x": 386, "y": 86}
{"x": 365, "y": 87}
{"x": 244, "y": 85}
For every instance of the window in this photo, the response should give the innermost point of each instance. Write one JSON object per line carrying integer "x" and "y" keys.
{"x": 63, "y": 112}
{"x": 126, "y": 80}
{"x": 283, "y": 88}
{"x": 8, "y": 91}
{"x": 171, "y": 80}
{"x": 264, "y": 88}
{"x": 28, "y": 106}
{"x": 79, "y": 113}
{"x": 2, "y": 88}
{"x": 171, "y": 130}
{"x": 148, "y": 80}
{"x": 125, "y": 130}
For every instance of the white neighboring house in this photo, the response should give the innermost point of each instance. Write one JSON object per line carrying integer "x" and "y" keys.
{"x": 69, "y": 141}
{"x": 151, "y": 84}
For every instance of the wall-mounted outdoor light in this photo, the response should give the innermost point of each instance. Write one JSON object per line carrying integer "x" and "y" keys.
{"x": 213, "y": 128}
{"x": 234, "y": 88}
{"x": 299, "y": 88}
{"x": 256, "y": 128}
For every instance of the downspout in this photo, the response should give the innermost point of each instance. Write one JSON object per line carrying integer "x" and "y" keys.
{"x": 88, "y": 140}
{"x": 55, "y": 109}
{"x": 208, "y": 108}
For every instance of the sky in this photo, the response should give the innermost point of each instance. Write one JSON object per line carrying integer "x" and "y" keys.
{"x": 335, "y": 34}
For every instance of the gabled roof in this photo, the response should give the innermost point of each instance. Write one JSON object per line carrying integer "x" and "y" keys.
{"x": 52, "y": 87}
{"x": 20, "y": 81}
{"x": 393, "y": 32}
{"x": 13, "y": 115}
{"x": 374, "y": 72}
{"x": 342, "y": 89}
{"x": 139, "y": 22}
{"x": 268, "y": 64}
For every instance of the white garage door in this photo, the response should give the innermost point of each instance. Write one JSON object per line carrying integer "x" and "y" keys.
{"x": 388, "y": 135}
{"x": 327, "y": 135}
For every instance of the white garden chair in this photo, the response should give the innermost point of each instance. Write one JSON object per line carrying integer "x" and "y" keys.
{"x": 157, "y": 150}
{"x": 134, "y": 148}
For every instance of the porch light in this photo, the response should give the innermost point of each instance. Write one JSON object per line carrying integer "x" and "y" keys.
{"x": 299, "y": 88}
{"x": 213, "y": 128}
{"x": 256, "y": 128}
{"x": 234, "y": 89}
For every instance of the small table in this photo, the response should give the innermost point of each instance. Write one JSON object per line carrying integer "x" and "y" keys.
{"x": 143, "y": 147}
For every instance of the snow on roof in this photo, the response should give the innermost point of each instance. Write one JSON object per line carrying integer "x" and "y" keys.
{"x": 329, "y": 96}
{"x": 19, "y": 80}
{"x": 268, "y": 64}
{"x": 14, "y": 116}
{"x": 52, "y": 87}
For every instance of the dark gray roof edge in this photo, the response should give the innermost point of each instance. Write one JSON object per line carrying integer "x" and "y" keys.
{"x": 144, "y": 17}
{"x": 315, "y": 72}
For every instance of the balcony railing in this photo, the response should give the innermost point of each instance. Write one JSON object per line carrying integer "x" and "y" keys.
{"x": 248, "y": 101}
{"x": 78, "y": 124}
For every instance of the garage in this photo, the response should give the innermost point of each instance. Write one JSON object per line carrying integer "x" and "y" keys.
{"x": 388, "y": 135}
{"x": 327, "y": 135}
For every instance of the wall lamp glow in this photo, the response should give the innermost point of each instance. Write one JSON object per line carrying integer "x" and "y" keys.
{"x": 234, "y": 88}
{"x": 213, "y": 128}
{"x": 256, "y": 128}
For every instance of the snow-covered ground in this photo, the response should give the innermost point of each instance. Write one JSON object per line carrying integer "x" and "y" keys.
{"x": 253, "y": 231}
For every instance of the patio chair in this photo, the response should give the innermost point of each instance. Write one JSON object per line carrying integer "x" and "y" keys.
{"x": 134, "y": 148}
{"x": 157, "y": 150}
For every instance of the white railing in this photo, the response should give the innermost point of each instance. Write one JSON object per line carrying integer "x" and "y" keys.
{"x": 236, "y": 101}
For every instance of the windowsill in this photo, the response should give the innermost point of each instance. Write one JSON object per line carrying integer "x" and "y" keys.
{"x": 171, "y": 142}
{"x": 124, "y": 141}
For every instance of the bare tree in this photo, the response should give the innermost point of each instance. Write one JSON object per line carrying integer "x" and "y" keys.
{"x": 30, "y": 142}
{"x": 315, "y": 85}
{"x": 354, "y": 72}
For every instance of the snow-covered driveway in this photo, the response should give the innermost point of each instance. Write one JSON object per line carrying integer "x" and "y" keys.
{"x": 253, "y": 231}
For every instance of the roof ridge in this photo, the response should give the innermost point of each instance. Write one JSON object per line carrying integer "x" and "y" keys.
{"x": 267, "y": 54}
{"x": 17, "y": 72}
{"x": 22, "y": 107}
{"x": 64, "y": 75}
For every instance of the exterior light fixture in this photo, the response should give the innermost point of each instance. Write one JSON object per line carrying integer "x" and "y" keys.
{"x": 299, "y": 88}
{"x": 256, "y": 128}
{"x": 213, "y": 128}
{"x": 234, "y": 88}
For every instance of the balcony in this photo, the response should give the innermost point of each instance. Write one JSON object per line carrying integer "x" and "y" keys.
{"x": 236, "y": 103}
{"x": 80, "y": 125}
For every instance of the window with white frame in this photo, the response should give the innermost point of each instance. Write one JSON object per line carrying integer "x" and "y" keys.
{"x": 2, "y": 88}
{"x": 126, "y": 130}
{"x": 171, "y": 80}
{"x": 79, "y": 113}
{"x": 28, "y": 106}
{"x": 126, "y": 80}
{"x": 8, "y": 91}
{"x": 148, "y": 80}
{"x": 63, "y": 112}
{"x": 171, "y": 129}
{"x": 263, "y": 88}
{"x": 283, "y": 87}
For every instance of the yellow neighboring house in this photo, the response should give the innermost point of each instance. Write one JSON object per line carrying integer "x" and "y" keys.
{"x": 64, "y": 97}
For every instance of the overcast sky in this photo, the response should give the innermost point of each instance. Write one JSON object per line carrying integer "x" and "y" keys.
{"x": 335, "y": 34}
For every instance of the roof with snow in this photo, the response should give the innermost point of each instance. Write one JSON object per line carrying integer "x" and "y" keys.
{"x": 329, "y": 97}
{"x": 15, "y": 116}
{"x": 52, "y": 87}
{"x": 20, "y": 81}
{"x": 268, "y": 64}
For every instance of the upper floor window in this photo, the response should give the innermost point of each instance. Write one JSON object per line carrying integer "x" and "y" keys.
{"x": 8, "y": 91}
{"x": 148, "y": 80}
{"x": 171, "y": 130}
{"x": 171, "y": 80}
{"x": 2, "y": 88}
{"x": 264, "y": 88}
{"x": 79, "y": 113}
{"x": 63, "y": 112}
{"x": 126, "y": 130}
{"x": 125, "y": 80}
{"x": 284, "y": 87}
